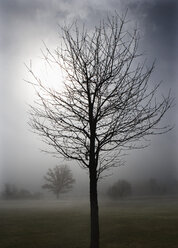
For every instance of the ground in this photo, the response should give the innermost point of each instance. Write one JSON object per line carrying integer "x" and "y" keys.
{"x": 134, "y": 223}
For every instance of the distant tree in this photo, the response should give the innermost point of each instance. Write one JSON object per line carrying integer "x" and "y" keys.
{"x": 156, "y": 188}
{"x": 172, "y": 186}
{"x": 37, "y": 196}
{"x": 59, "y": 180}
{"x": 10, "y": 192}
{"x": 120, "y": 189}
{"x": 107, "y": 103}
{"x": 24, "y": 194}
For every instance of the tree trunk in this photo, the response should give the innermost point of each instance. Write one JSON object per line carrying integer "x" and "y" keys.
{"x": 94, "y": 216}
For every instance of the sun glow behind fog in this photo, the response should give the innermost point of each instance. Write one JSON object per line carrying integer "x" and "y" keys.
{"x": 49, "y": 74}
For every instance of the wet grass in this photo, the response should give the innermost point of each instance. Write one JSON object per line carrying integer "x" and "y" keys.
{"x": 127, "y": 224}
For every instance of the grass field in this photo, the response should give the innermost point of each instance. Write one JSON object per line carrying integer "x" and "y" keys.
{"x": 125, "y": 224}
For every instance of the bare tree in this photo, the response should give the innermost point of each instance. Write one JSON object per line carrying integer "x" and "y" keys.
{"x": 59, "y": 180}
{"x": 119, "y": 190}
{"x": 107, "y": 104}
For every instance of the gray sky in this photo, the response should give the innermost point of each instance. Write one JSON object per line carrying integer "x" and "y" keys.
{"x": 24, "y": 25}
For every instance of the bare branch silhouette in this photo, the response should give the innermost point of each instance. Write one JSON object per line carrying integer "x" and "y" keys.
{"x": 107, "y": 104}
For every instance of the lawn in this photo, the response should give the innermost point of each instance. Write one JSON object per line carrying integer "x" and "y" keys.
{"x": 124, "y": 224}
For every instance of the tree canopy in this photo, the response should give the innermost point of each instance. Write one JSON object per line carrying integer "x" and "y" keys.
{"x": 107, "y": 103}
{"x": 59, "y": 180}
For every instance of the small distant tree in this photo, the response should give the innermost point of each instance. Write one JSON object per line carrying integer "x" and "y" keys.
{"x": 37, "y": 196}
{"x": 24, "y": 194}
{"x": 156, "y": 188}
{"x": 120, "y": 189}
{"x": 59, "y": 180}
{"x": 9, "y": 192}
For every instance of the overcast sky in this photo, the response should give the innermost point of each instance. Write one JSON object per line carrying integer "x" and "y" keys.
{"x": 24, "y": 25}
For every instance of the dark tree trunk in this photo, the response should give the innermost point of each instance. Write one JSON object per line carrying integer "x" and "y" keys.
{"x": 94, "y": 216}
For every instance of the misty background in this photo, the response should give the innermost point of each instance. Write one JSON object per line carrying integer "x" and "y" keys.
{"x": 24, "y": 26}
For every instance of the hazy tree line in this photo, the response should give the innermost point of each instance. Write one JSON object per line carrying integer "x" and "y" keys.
{"x": 118, "y": 190}
{"x": 11, "y": 192}
{"x": 155, "y": 187}
{"x": 58, "y": 180}
{"x": 149, "y": 187}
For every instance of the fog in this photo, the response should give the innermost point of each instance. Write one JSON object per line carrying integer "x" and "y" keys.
{"x": 24, "y": 26}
